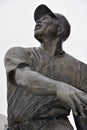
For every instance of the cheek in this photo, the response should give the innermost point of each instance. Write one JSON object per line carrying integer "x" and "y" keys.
{"x": 51, "y": 29}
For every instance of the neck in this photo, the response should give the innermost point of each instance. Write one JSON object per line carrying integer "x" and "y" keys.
{"x": 59, "y": 49}
{"x": 52, "y": 47}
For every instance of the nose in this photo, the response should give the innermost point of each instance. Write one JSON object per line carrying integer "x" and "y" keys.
{"x": 38, "y": 21}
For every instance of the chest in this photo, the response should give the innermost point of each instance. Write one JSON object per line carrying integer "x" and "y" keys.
{"x": 63, "y": 68}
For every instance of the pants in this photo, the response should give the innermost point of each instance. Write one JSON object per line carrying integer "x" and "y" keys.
{"x": 53, "y": 124}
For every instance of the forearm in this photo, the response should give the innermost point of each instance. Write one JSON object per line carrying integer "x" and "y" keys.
{"x": 35, "y": 82}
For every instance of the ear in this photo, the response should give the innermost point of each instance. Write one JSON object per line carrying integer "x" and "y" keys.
{"x": 60, "y": 29}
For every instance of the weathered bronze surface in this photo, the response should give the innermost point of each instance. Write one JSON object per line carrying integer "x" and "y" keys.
{"x": 45, "y": 83}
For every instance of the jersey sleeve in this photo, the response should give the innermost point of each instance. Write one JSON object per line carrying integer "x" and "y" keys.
{"x": 16, "y": 57}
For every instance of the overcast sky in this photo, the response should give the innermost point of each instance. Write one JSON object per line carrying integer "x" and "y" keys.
{"x": 17, "y": 24}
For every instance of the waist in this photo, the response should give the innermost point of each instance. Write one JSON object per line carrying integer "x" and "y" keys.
{"x": 31, "y": 124}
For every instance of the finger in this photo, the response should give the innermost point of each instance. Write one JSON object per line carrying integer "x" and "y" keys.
{"x": 80, "y": 109}
{"x": 83, "y": 98}
{"x": 74, "y": 109}
{"x": 78, "y": 106}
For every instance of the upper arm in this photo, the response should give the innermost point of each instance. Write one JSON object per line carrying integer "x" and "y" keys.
{"x": 22, "y": 74}
{"x": 15, "y": 58}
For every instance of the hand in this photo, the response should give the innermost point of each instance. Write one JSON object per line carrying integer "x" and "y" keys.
{"x": 73, "y": 97}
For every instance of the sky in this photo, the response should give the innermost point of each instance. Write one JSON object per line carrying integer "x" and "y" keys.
{"x": 17, "y": 25}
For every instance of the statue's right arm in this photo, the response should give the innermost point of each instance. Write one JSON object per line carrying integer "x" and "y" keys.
{"x": 35, "y": 82}
{"x": 39, "y": 84}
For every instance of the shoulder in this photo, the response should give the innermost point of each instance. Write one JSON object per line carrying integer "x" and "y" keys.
{"x": 17, "y": 54}
{"x": 21, "y": 50}
{"x": 15, "y": 50}
{"x": 76, "y": 63}
{"x": 74, "y": 59}
{"x": 71, "y": 58}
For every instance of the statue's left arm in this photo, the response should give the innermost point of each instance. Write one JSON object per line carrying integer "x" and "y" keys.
{"x": 83, "y": 77}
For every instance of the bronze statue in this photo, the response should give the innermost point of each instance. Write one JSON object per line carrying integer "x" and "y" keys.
{"x": 45, "y": 83}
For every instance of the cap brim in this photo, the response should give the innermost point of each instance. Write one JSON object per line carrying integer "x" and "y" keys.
{"x": 42, "y": 10}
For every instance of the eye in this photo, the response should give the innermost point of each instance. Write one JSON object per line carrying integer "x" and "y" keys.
{"x": 45, "y": 17}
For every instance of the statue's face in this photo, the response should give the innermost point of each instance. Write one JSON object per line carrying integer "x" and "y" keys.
{"x": 46, "y": 27}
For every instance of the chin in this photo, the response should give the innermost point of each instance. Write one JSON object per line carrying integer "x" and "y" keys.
{"x": 38, "y": 37}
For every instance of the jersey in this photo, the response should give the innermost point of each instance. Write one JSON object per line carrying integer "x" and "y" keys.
{"x": 23, "y": 105}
